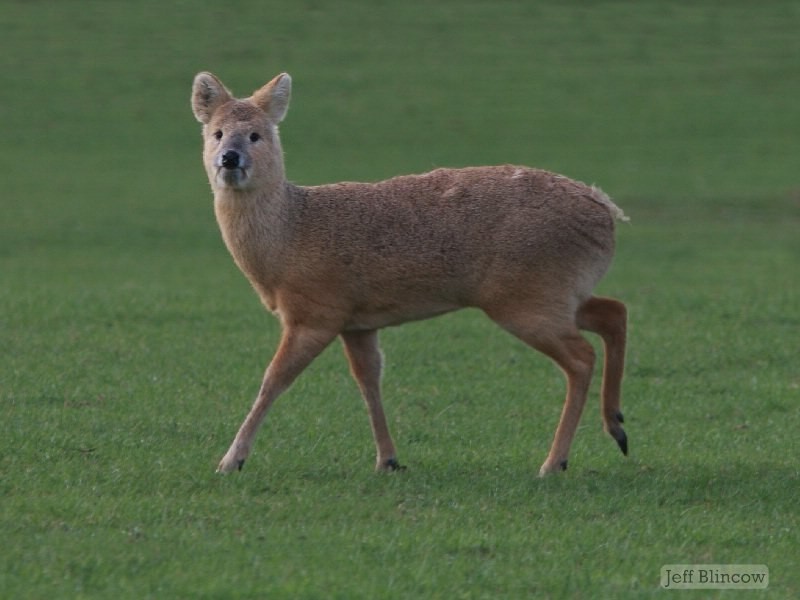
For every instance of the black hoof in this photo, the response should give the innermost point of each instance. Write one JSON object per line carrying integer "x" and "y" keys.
{"x": 240, "y": 464}
{"x": 563, "y": 465}
{"x": 620, "y": 418}
{"x": 393, "y": 465}
{"x": 622, "y": 441}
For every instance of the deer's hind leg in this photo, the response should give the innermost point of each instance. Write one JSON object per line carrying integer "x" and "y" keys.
{"x": 557, "y": 337}
{"x": 608, "y": 318}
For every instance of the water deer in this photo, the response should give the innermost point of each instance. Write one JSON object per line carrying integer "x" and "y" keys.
{"x": 525, "y": 246}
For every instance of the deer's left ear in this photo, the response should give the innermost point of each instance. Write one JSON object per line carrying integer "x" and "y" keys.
{"x": 273, "y": 98}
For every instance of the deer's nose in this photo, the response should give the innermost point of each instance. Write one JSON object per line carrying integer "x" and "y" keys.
{"x": 230, "y": 160}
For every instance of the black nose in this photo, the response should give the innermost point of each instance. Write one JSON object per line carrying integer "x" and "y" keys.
{"x": 230, "y": 160}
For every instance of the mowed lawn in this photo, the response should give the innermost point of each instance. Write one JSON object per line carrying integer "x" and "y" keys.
{"x": 132, "y": 347}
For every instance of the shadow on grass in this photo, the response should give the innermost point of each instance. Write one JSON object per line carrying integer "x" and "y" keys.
{"x": 737, "y": 486}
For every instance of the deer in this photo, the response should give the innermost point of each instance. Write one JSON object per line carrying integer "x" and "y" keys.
{"x": 525, "y": 246}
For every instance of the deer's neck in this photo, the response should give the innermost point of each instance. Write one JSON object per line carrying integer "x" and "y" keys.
{"x": 255, "y": 227}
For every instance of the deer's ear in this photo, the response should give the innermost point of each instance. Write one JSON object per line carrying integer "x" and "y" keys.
{"x": 208, "y": 94}
{"x": 273, "y": 98}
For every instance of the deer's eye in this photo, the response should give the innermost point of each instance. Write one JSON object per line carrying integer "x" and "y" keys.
{"x": 254, "y": 137}
{"x": 218, "y": 134}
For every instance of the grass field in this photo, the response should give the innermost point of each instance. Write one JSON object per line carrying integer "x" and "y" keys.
{"x": 132, "y": 347}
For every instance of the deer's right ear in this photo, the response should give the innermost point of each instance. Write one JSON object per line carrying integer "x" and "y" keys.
{"x": 208, "y": 94}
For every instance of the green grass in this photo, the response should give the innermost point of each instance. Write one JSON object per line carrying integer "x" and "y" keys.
{"x": 132, "y": 348}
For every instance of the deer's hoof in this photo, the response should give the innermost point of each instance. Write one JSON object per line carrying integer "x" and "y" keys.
{"x": 391, "y": 464}
{"x": 622, "y": 440}
{"x": 549, "y": 467}
{"x": 231, "y": 462}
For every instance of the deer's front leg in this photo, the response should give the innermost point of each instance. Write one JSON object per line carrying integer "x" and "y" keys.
{"x": 297, "y": 348}
{"x": 364, "y": 356}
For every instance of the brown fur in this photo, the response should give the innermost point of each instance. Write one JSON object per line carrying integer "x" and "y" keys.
{"x": 524, "y": 245}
